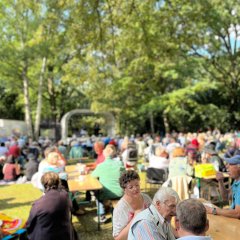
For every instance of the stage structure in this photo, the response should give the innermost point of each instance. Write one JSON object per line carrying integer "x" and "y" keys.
{"x": 110, "y": 121}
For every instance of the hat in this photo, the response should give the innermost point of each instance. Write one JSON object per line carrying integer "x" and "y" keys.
{"x": 195, "y": 142}
{"x": 233, "y": 160}
{"x": 209, "y": 150}
{"x": 178, "y": 152}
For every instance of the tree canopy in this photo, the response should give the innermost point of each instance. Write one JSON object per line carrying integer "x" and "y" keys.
{"x": 156, "y": 65}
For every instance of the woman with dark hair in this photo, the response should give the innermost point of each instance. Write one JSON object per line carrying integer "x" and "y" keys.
{"x": 132, "y": 202}
{"x": 50, "y": 217}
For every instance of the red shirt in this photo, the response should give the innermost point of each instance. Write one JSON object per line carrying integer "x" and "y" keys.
{"x": 10, "y": 172}
{"x": 100, "y": 158}
{"x": 14, "y": 151}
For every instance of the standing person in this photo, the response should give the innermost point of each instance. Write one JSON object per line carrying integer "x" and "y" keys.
{"x": 233, "y": 166}
{"x": 49, "y": 217}
{"x": 191, "y": 221}
{"x": 132, "y": 202}
{"x": 154, "y": 222}
{"x": 108, "y": 173}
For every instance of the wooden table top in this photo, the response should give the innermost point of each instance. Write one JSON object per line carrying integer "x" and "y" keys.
{"x": 75, "y": 168}
{"x": 223, "y": 228}
{"x": 225, "y": 175}
{"x": 84, "y": 183}
{"x": 77, "y": 182}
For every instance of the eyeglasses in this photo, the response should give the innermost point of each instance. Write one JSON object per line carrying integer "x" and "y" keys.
{"x": 131, "y": 187}
{"x": 171, "y": 206}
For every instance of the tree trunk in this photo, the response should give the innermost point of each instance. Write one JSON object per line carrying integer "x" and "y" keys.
{"x": 28, "y": 118}
{"x": 53, "y": 104}
{"x": 39, "y": 102}
{"x": 151, "y": 122}
{"x": 165, "y": 121}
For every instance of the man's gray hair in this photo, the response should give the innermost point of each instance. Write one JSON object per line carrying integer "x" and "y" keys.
{"x": 192, "y": 216}
{"x": 164, "y": 193}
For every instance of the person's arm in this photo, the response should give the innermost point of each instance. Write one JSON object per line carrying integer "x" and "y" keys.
{"x": 123, "y": 235}
{"x": 4, "y": 168}
{"x": 95, "y": 173}
{"x": 223, "y": 191}
{"x": 32, "y": 219}
{"x": 18, "y": 169}
{"x": 232, "y": 213}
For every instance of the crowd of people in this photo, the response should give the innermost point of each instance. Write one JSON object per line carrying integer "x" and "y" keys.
{"x": 136, "y": 216}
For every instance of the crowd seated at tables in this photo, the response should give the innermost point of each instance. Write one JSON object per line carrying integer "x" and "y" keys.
{"x": 179, "y": 153}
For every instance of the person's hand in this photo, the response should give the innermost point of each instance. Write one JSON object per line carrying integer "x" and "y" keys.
{"x": 209, "y": 209}
{"x": 219, "y": 176}
{"x": 137, "y": 211}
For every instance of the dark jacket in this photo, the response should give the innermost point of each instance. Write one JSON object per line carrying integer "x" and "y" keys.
{"x": 31, "y": 168}
{"x": 49, "y": 217}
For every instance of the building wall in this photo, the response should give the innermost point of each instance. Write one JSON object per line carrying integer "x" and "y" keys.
{"x": 12, "y": 127}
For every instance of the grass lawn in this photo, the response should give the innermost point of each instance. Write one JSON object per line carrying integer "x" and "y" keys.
{"x": 16, "y": 201}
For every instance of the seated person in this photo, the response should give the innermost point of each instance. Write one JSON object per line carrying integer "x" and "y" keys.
{"x": 50, "y": 215}
{"x": 179, "y": 165}
{"x": 108, "y": 173}
{"x": 154, "y": 222}
{"x": 233, "y": 166}
{"x": 211, "y": 156}
{"x": 191, "y": 221}
{"x": 98, "y": 148}
{"x": 130, "y": 155}
{"x": 192, "y": 152}
{"x": 76, "y": 151}
{"x": 11, "y": 170}
{"x": 31, "y": 166}
{"x": 132, "y": 202}
{"x": 160, "y": 159}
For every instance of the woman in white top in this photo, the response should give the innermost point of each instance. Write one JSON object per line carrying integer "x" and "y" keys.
{"x": 132, "y": 202}
{"x": 159, "y": 160}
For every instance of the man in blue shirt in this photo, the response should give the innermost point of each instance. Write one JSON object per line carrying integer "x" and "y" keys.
{"x": 233, "y": 166}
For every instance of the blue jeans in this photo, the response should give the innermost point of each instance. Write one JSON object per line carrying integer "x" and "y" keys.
{"x": 100, "y": 207}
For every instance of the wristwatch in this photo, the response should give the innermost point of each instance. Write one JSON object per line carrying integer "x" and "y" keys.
{"x": 214, "y": 211}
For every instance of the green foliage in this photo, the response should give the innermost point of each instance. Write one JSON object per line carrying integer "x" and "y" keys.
{"x": 136, "y": 59}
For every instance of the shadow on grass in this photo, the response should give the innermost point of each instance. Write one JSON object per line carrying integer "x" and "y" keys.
{"x": 87, "y": 226}
{"x": 7, "y": 203}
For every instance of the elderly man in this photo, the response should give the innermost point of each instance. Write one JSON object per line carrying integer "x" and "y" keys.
{"x": 191, "y": 221}
{"x": 233, "y": 166}
{"x": 153, "y": 222}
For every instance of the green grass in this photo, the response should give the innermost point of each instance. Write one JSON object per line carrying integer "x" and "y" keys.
{"x": 16, "y": 201}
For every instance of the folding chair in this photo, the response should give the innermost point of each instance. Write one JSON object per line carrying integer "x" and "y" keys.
{"x": 156, "y": 176}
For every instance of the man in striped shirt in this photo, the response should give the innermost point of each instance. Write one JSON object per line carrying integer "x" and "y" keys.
{"x": 154, "y": 222}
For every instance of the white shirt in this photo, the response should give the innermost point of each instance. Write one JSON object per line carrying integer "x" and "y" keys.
{"x": 158, "y": 162}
